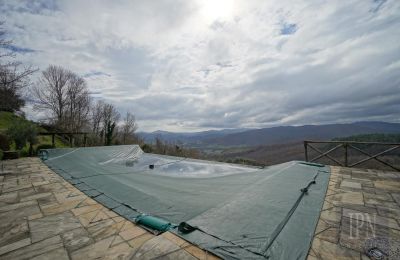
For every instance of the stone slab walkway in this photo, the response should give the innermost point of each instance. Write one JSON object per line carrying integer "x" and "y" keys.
{"x": 361, "y": 211}
{"x": 44, "y": 217}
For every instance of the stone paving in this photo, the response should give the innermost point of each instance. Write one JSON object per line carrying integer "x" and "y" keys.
{"x": 44, "y": 217}
{"x": 361, "y": 211}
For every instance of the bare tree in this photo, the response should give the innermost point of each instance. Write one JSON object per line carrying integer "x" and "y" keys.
{"x": 104, "y": 118}
{"x": 13, "y": 76}
{"x": 65, "y": 96}
{"x": 78, "y": 104}
{"x": 128, "y": 128}
{"x": 51, "y": 92}
{"x": 96, "y": 115}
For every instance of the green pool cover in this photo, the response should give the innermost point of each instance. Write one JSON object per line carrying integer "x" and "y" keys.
{"x": 234, "y": 211}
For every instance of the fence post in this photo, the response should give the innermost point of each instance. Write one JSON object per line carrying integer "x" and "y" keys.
{"x": 345, "y": 154}
{"x": 53, "y": 143}
{"x": 305, "y": 150}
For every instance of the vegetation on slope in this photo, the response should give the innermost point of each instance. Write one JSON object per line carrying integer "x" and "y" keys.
{"x": 10, "y": 124}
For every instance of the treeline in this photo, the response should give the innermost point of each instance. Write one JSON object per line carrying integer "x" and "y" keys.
{"x": 166, "y": 148}
{"x": 64, "y": 97}
{"x": 384, "y": 138}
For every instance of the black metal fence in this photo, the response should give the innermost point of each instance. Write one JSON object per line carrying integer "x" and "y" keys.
{"x": 342, "y": 149}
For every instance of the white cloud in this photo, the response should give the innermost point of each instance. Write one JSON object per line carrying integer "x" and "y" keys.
{"x": 188, "y": 65}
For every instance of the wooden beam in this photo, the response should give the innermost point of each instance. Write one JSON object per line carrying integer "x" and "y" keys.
{"x": 375, "y": 157}
{"x": 326, "y": 154}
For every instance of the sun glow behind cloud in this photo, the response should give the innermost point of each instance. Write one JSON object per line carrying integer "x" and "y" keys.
{"x": 193, "y": 65}
{"x": 213, "y": 10}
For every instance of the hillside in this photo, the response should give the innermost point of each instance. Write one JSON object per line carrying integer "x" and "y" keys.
{"x": 7, "y": 118}
{"x": 289, "y": 134}
{"x": 280, "y": 153}
{"x": 270, "y": 136}
{"x": 187, "y": 138}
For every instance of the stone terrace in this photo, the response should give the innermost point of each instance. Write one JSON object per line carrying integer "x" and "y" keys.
{"x": 44, "y": 217}
{"x": 361, "y": 211}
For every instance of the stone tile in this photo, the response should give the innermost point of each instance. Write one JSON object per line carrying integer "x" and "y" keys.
{"x": 35, "y": 216}
{"x": 35, "y": 249}
{"x": 382, "y": 196}
{"x": 16, "y": 230}
{"x": 8, "y": 198}
{"x": 199, "y": 253}
{"x": 35, "y": 184}
{"x": 36, "y": 196}
{"x": 93, "y": 251}
{"x": 396, "y": 197}
{"x": 69, "y": 196}
{"x": 86, "y": 209}
{"x": 52, "y": 187}
{"x": 86, "y": 219}
{"x": 327, "y": 250}
{"x": 9, "y": 217}
{"x": 120, "y": 251}
{"x": 104, "y": 229}
{"x": 17, "y": 206}
{"x": 376, "y": 202}
{"x": 76, "y": 238}
{"x": 346, "y": 198}
{"x": 132, "y": 233}
{"x": 350, "y": 184}
{"x": 59, "y": 254}
{"x": 388, "y": 185}
{"x": 52, "y": 225}
{"x": 182, "y": 255}
{"x": 117, "y": 240}
{"x": 14, "y": 246}
{"x": 331, "y": 217}
{"x": 137, "y": 242}
{"x": 47, "y": 200}
{"x": 175, "y": 239}
{"x": 27, "y": 192}
{"x": 330, "y": 235}
{"x": 58, "y": 208}
{"x": 15, "y": 188}
{"x": 388, "y": 212}
{"x": 155, "y": 248}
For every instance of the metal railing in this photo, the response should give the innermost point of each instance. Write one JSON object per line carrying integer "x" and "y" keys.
{"x": 347, "y": 145}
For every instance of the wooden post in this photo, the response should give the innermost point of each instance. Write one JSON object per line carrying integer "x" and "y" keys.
{"x": 70, "y": 140}
{"x": 346, "y": 163}
{"x": 53, "y": 142}
{"x": 84, "y": 139}
{"x": 305, "y": 150}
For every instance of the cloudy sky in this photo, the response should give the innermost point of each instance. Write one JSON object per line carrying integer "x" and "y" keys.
{"x": 211, "y": 64}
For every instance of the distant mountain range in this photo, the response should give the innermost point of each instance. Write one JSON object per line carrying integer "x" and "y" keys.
{"x": 273, "y": 135}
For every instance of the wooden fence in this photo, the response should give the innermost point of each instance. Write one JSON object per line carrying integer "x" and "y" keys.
{"x": 347, "y": 145}
{"x": 70, "y": 137}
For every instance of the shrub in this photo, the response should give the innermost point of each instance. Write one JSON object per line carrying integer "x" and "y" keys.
{"x": 1, "y": 154}
{"x": 147, "y": 148}
{"x": 22, "y": 132}
{"x": 4, "y": 142}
